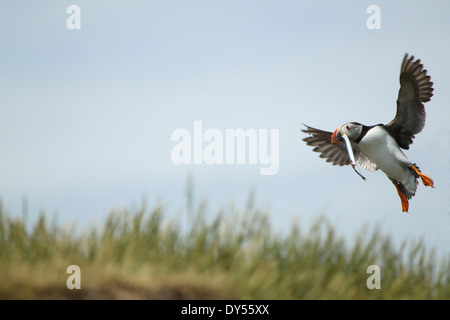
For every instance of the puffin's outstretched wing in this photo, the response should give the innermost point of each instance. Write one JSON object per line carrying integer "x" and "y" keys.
{"x": 415, "y": 88}
{"x": 336, "y": 153}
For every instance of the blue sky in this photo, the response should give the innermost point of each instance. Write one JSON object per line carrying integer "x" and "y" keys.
{"x": 86, "y": 116}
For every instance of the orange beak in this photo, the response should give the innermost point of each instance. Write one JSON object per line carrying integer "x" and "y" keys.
{"x": 336, "y": 136}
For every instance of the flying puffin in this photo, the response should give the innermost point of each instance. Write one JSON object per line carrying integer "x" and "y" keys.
{"x": 380, "y": 146}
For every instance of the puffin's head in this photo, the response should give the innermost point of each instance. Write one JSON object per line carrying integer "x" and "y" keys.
{"x": 351, "y": 129}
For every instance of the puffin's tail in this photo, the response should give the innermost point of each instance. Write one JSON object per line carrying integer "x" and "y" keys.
{"x": 404, "y": 193}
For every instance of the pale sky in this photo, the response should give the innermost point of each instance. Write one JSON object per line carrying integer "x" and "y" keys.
{"x": 86, "y": 116}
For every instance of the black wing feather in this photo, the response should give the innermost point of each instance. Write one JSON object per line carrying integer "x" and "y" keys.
{"x": 336, "y": 153}
{"x": 415, "y": 88}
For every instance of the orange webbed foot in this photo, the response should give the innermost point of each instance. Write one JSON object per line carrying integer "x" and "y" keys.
{"x": 405, "y": 203}
{"x": 426, "y": 180}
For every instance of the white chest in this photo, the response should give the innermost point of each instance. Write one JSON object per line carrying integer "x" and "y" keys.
{"x": 383, "y": 150}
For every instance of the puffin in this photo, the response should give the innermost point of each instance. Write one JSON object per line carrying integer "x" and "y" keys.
{"x": 380, "y": 146}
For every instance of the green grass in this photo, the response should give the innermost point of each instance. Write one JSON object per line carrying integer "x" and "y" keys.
{"x": 232, "y": 254}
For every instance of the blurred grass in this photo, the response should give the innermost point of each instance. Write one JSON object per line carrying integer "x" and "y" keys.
{"x": 233, "y": 254}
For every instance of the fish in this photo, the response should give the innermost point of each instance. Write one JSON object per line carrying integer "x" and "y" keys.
{"x": 352, "y": 156}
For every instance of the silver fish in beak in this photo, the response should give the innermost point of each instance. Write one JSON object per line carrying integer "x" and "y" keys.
{"x": 352, "y": 156}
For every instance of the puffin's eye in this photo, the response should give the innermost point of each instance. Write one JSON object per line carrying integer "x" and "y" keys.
{"x": 348, "y": 127}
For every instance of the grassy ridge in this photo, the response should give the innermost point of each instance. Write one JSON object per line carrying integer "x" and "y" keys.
{"x": 236, "y": 254}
